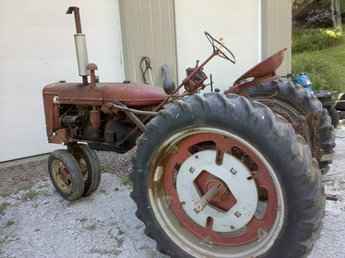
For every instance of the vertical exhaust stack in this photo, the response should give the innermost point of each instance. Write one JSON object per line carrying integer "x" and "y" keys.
{"x": 80, "y": 45}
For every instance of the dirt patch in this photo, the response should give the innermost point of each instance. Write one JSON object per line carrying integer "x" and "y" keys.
{"x": 102, "y": 225}
{"x": 23, "y": 174}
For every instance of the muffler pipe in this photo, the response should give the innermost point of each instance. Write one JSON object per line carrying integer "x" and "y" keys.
{"x": 80, "y": 45}
{"x": 82, "y": 56}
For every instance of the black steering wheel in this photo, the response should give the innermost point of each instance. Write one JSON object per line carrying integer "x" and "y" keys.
{"x": 220, "y": 49}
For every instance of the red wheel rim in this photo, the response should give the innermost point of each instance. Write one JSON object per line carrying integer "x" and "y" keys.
{"x": 257, "y": 227}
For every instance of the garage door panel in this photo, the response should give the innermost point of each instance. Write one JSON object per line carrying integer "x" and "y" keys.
{"x": 36, "y": 48}
{"x": 238, "y": 22}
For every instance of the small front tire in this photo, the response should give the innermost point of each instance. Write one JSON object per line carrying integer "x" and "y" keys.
{"x": 65, "y": 174}
{"x": 89, "y": 165}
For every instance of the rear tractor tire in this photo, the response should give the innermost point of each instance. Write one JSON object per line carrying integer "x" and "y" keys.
{"x": 333, "y": 113}
{"x": 304, "y": 111}
{"x": 327, "y": 141}
{"x": 220, "y": 176}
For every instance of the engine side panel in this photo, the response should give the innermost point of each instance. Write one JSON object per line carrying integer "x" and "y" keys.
{"x": 58, "y": 96}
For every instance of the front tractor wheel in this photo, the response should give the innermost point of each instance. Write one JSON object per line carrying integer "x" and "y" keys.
{"x": 89, "y": 166}
{"x": 66, "y": 175}
{"x": 219, "y": 176}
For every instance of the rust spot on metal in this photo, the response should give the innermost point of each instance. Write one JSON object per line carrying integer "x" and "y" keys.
{"x": 264, "y": 71}
{"x": 95, "y": 119}
{"x": 92, "y": 68}
{"x": 76, "y": 11}
{"x": 61, "y": 136}
{"x": 130, "y": 94}
{"x": 266, "y": 68}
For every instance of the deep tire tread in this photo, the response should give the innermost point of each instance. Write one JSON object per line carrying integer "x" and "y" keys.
{"x": 306, "y": 104}
{"x": 308, "y": 201}
{"x": 93, "y": 167}
{"x": 72, "y": 165}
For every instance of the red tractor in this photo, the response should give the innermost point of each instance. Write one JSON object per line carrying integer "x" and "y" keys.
{"x": 215, "y": 174}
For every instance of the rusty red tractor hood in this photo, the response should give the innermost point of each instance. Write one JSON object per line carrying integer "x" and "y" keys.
{"x": 130, "y": 94}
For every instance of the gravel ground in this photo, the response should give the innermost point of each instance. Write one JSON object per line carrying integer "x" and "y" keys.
{"x": 331, "y": 244}
{"x": 36, "y": 222}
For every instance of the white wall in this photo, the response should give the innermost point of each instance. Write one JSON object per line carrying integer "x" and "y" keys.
{"x": 238, "y": 22}
{"x": 36, "y": 48}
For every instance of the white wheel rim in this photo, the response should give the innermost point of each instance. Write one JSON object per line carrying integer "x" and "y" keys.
{"x": 244, "y": 191}
{"x": 180, "y": 236}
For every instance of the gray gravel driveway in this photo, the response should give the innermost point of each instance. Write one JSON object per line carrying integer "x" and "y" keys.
{"x": 36, "y": 222}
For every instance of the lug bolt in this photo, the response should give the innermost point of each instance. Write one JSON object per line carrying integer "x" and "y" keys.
{"x": 261, "y": 233}
{"x": 238, "y": 214}
{"x": 233, "y": 171}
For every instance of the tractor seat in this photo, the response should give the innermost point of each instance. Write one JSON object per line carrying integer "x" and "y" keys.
{"x": 264, "y": 69}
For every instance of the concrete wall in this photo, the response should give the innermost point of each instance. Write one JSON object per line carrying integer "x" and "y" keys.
{"x": 36, "y": 47}
{"x": 151, "y": 33}
{"x": 238, "y": 22}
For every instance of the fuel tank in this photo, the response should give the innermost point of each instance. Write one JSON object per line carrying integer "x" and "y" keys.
{"x": 130, "y": 94}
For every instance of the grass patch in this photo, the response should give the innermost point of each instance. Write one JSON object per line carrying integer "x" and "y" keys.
{"x": 10, "y": 223}
{"x": 316, "y": 39}
{"x": 32, "y": 194}
{"x": 325, "y": 67}
{"x": 105, "y": 252}
{"x": 126, "y": 181}
{"x": 106, "y": 169}
{"x": 3, "y": 207}
{"x": 91, "y": 227}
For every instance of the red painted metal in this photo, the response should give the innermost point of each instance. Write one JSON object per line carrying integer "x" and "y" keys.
{"x": 266, "y": 68}
{"x": 130, "y": 94}
{"x": 95, "y": 119}
{"x": 264, "y": 71}
{"x": 224, "y": 199}
{"x": 93, "y": 79}
{"x": 261, "y": 176}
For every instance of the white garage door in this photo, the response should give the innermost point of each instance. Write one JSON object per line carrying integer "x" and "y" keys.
{"x": 36, "y": 47}
{"x": 238, "y": 22}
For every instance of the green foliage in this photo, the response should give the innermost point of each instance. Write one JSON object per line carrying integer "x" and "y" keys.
{"x": 10, "y": 223}
{"x": 3, "y": 207}
{"x": 326, "y": 67}
{"x": 316, "y": 39}
{"x": 32, "y": 194}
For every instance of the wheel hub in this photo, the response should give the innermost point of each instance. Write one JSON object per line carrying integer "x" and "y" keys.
{"x": 62, "y": 176}
{"x": 222, "y": 197}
